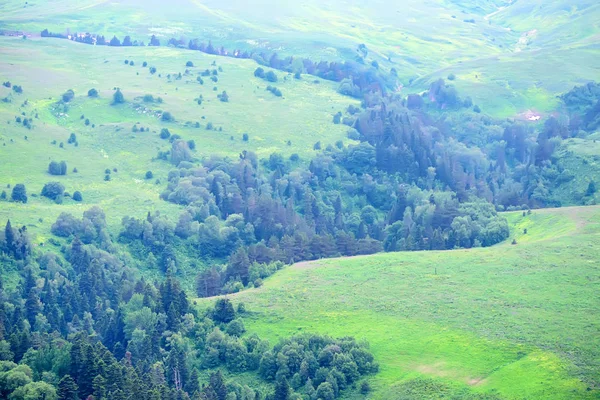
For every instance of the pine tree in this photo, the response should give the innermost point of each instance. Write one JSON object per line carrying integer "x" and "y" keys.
{"x": 9, "y": 238}
{"x": 67, "y": 389}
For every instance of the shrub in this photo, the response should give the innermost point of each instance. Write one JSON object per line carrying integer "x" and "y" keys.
{"x": 144, "y": 64}
{"x": 236, "y": 328}
{"x": 17, "y": 89}
{"x": 77, "y": 196}
{"x": 274, "y": 90}
{"x": 451, "y": 77}
{"x": 476, "y": 109}
{"x": 189, "y": 64}
{"x": 259, "y": 72}
{"x": 149, "y": 175}
{"x": 164, "y": 133}
{"x": 245, "y": 137}
{"x": 365, "y": 387}
{"x": 167, "y": 117}
{"x": 68, "y": 95}
{"x": 317, "y": 146}
{"x": 152, "y": 70}
{"x": 92, "y": 93}
{"x": 148, "y": 98}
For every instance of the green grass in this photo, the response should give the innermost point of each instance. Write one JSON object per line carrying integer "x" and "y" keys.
{"x": 514, "y": 321}
{"x": 48, "y": 67}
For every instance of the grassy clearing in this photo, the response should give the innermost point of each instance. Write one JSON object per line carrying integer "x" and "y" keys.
{"x": 515, "y": 321}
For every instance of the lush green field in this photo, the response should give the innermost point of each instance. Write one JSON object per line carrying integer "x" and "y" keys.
{"x": 515, "y": 321}
{"x": 508, "y": 56}
{"x": 47, "y": 68}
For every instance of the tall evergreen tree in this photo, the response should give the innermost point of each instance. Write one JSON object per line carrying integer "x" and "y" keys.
{"x": 67, "y": 389}
{"x": 9, "y": 238}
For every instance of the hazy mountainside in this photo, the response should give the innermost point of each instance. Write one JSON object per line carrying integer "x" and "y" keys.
{"x": 510, "y": 321}
{"x": 495, "y": 48}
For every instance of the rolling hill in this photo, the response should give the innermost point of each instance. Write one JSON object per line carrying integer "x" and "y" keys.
{"x": 510, "y": 56}
{"x": 510, "y": 321}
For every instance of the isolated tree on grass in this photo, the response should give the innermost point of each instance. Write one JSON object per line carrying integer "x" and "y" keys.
{"x": 53, "y": 190}
{"x": 19, "y": 193}
{"x": 118, "y": 97}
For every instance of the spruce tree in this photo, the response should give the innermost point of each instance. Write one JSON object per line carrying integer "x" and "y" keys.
{"x": 67, "y": 389}
{"x": 9, "y": 238}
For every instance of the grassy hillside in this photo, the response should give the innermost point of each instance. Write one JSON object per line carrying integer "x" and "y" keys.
{"x": 513, "y": 321}
{"x": 510, "y": 56}
{"x": 48, "y": 68}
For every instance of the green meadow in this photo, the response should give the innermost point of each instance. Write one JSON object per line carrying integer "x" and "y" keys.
{"x": 510, "y": 321}
{"x": 48, "y": 68}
